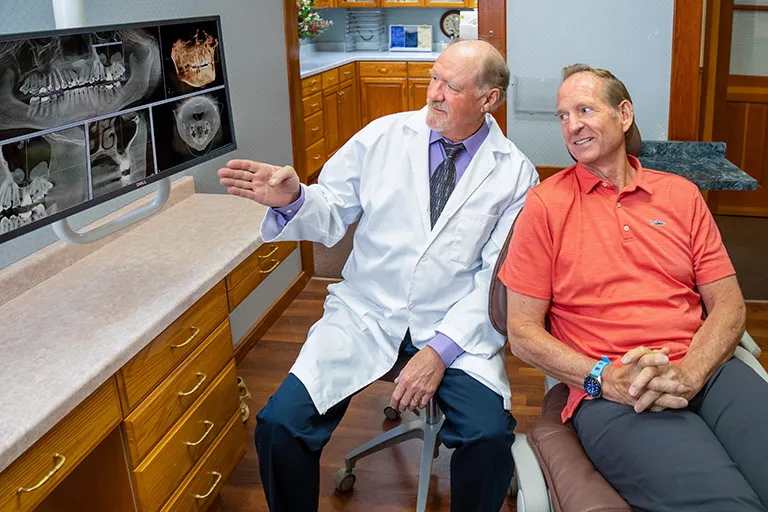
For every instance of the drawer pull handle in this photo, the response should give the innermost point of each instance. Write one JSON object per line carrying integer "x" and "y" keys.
{"x": 314, "y": 105}
{"x": 201, "y": 378}
{"x": 316, "y": 157}
{"x": 315, "y": 128}
{"x": 207, "y": 431}
{"x": 312, "y": 82}
{"x": 275, "y": 263}
{"x": 341, "y": 93}
{"x": 270, "y": 253}
{"x": 189, "y": 340}
{"x": 217, "y": 477}
{"x": 383, "y": 70}
{"x": 347, "y": 73}
{"x": 60, "y": 462}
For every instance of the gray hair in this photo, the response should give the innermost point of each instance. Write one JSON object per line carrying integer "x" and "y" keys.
{"x": 493, "y": 74}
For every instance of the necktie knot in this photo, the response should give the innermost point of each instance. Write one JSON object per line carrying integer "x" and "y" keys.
{"x": 451, "y": 150}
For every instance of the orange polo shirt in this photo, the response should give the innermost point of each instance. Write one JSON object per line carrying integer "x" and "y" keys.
{"x": 620, "y": 269}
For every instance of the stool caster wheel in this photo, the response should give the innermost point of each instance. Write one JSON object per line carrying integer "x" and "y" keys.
{"x": 344, "y": 480}
{"x": 391, "y": 413}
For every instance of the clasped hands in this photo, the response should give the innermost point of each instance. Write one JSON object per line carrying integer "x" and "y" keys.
{"x": 647, "y": 380}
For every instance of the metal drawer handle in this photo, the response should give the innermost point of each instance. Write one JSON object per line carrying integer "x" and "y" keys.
{"x": 275, "y": 263}
{"x": 315, "y": 128}
{"x": 56, "y": 456}
{"x": 314, "y": 105}
{"x": 313, "y": 82}
{"x": 201, "y": 378}
{"x": 217, "y": 477}
{"x": 346, "y": 73}
{"x": 207, "y": 431}
{"x": 270, "y": 253}
{"x": 189, "y": 340}
{"x": 317, "y": 157}
{"x": 383, "y": 70}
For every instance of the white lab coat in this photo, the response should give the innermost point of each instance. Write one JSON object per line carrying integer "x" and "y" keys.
{"x": 401, "y": 274}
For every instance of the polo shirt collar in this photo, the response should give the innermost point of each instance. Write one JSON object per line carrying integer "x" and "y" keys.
{"x": 588, "y": 181}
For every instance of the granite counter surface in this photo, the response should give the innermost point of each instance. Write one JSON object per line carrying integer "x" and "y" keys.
{"x": 63, "y": 338}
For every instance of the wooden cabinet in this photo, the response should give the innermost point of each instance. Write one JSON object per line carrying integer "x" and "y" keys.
{"x": 322, "y": 4}
{"x": 417, "y": 92}
{"x": 357, "y": 3}
{"x": 382, "y": 96}
{"x": 396, "y": 3}
{"x": 402, "y": 3}
{"x": 450, "y": 3}
{"x": 349, "y": 110}
{"x": 331, "y": 113}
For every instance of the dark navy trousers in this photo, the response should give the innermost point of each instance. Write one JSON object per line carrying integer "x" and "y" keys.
{"x": 290, "y": 436}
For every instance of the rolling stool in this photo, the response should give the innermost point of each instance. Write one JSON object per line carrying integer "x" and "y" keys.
{"x": 426, "y": 427}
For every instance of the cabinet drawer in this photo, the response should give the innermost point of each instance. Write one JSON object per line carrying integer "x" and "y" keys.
{"x": 171, "y": 399}
{"x": 252, "y": 262}
{"x": 313, "y": 129}
{"x": 330, "y": 78}
{"x": 60, "y": 450}
{"x": 420, "y": 69}
{"x": 203, "y": 484}
{"x": 347, "y": 72}
{"x": 315, "y": 157}
{"x": 279, "y": 251}
{"x": 142, "y": 373}
{"x": 312, "y": 104}
{"x": 383, "y": 68}
{"x": 160, "y": 473}
{"x": 311, "y": 85}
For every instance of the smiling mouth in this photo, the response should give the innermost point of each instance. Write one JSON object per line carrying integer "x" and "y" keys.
{"x": 583, "y": 141}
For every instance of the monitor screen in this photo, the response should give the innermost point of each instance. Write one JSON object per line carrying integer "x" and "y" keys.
{"x": 92, "y": 113}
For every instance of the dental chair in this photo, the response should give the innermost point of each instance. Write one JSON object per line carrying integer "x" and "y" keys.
{"x": 552, "y": 471}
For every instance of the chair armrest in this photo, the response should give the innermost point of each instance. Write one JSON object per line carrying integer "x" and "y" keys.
{"x": 749, "y": 343}
{"x": 749, "y": 360}
{"x": 532, "y": 489}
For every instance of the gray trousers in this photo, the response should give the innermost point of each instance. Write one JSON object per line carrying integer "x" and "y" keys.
{"x": 712, "y": 456}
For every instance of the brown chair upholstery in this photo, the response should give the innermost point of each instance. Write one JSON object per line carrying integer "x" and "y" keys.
{"x": 574, "y": 483}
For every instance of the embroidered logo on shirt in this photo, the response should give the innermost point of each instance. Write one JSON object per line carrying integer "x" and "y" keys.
{"x": 656, "y": 222}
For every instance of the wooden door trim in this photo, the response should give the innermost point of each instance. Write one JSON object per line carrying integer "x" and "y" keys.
{"x": 684, "y": 79}
{"x": 488, "y": 14}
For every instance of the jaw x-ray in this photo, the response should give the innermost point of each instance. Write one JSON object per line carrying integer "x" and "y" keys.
{"x": 41, "y": 176}
{"x": 88, "y": 115}
{"x": 51, "y": 81}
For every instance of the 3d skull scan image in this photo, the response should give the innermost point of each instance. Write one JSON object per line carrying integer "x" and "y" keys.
{"x": 120, "y": 150}
{"x": 51, "y": 81}
{"x": 197, "y": 121}
{"x": 41, "y": 176}
{"x": 195, "y": 60}
{"x": 191, "y": 57}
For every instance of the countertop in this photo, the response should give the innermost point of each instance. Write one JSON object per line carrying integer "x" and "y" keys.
{"x": 319, "y": 61}
{"x": 63, "y": 338}
{"x": 703, "y": 163}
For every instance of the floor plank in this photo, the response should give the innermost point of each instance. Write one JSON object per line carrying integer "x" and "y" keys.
{"x": 386, "y": 481}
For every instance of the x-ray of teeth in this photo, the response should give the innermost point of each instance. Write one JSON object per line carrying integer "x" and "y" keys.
{"x": 195, "y": 59}
{"x": 197, "y": 121}
{"x": 191, "y": 57}
{"x": 194, "y": 126}
{"x": 50, "y": 81}
{"x": 120, "y": 151}
{"x": 41, "y": 176}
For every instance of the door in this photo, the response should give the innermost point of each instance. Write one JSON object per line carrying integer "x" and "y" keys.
{"x": 735, "y": 98}
{"x": 382, "y": 96}
{"x": 492, "y": 27}
{"x": 331, "y": 116}
{"x": 417, "y": 92}
{"x": 349, "y": 111}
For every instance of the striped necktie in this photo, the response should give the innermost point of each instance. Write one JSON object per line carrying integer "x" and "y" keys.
{"x": 443, "y": 181}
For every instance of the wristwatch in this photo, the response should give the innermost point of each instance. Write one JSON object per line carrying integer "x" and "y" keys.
{"x": 593, "y": 383}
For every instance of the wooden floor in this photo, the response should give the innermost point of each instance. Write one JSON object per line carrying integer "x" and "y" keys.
{"x": 386, "y": 481}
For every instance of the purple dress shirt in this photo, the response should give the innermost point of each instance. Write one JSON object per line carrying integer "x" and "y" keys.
{"x": 277, "y": 218}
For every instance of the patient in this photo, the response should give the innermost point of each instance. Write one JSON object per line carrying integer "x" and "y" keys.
{"x": 621, "y": 259}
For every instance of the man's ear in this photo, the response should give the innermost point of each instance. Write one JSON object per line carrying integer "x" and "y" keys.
{"x": 490, "y": 100}
{"x": 627, "y": 114}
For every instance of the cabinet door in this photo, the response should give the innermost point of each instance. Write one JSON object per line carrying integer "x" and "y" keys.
{"x": 358, "y": 3}
{"x": 382, "y": 96}
{"x": 331, "y": 115}
{"x": 349, "y": 112}
{"x": 320, "y": 4}
{"x": 417, "y": 92}
{"x": 402, "y": 3}
{"x": 471, "y": 3}
{"x": 445, "y": 3}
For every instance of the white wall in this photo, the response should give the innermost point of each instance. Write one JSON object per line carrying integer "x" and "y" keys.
{"x": 633, "y": 39}
{"x": 254, "y": 44}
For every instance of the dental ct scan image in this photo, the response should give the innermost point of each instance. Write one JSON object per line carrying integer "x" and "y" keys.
{"x": 89, "y": 114}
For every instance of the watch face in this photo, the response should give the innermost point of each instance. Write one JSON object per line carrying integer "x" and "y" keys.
{"x": 592, "y": 386}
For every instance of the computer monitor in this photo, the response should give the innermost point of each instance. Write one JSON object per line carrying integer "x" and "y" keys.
{"x": 89, "y": 114}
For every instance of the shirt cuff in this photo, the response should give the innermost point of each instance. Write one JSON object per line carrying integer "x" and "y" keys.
{"x": 288, "y": 212}
{"x": 446, "y": 348}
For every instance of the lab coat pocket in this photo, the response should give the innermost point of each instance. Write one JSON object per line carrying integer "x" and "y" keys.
{"x": 470, "y": 234}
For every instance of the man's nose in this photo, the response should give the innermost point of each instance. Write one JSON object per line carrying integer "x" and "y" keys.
{"x": 434, "y": 92}
{"x": 575, "y": 125}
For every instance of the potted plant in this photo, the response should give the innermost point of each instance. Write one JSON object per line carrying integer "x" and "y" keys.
{"x": 311, "y": 24}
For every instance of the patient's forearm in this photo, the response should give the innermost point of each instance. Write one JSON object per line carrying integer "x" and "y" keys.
{"x": 534, "y": 345}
